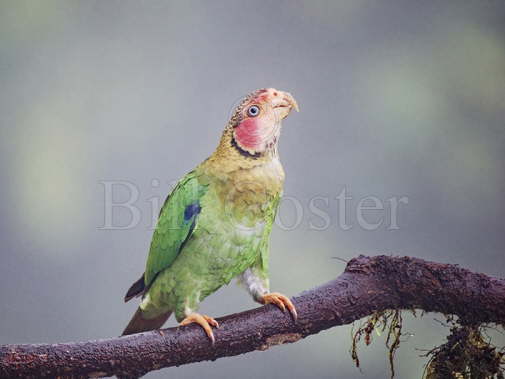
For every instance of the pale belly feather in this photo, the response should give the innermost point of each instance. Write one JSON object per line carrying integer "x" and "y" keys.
{"x": 209, "y": 260}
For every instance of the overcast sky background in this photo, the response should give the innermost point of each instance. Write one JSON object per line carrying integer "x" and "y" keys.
{"x": 397, "y": 99}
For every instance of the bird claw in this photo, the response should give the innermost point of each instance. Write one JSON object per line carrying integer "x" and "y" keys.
{"x": 204, "y": 321}
{"x": 281, "y": 302}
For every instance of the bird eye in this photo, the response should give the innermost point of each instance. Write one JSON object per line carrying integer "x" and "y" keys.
{"x": 253, "y": 111}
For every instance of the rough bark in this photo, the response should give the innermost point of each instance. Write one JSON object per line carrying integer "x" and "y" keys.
{"x": 368, "y": 285}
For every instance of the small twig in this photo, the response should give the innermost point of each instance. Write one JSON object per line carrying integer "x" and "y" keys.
{"x": 340, "y": 259}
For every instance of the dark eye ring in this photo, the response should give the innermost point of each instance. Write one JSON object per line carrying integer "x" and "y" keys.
{"x": 253, "y": 111}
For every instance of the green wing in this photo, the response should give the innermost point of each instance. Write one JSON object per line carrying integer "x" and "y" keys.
{"x": 262, "y": 265}
{"x": 176, "y": 222}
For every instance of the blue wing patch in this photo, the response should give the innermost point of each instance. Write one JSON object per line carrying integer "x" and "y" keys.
{"x": 192, "y": 210}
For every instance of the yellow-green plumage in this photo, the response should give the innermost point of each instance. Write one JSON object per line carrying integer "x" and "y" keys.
{"x": 213, "y": 227}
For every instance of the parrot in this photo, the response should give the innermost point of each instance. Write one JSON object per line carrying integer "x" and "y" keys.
{"x": 215, "y": 225}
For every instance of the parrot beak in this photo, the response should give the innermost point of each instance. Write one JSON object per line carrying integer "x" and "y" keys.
{"x": 284, "y": 104}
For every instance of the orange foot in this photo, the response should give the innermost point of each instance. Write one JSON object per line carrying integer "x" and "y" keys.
{"x": 204, "y": 321}
{"x": 281, "y": 301}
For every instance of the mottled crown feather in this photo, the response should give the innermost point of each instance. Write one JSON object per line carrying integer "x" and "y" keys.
{"x": 237, "y": 115}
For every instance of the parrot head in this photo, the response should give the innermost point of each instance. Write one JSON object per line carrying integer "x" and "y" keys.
{"x": 255, "y": 125}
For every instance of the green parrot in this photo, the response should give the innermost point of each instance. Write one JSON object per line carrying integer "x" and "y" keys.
{"x": 216, "y": 223}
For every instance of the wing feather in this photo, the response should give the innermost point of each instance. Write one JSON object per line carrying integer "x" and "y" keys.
{"x": 177, "y": 220}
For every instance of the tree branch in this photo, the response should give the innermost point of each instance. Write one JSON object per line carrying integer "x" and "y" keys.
{"x": 368, "y": 285}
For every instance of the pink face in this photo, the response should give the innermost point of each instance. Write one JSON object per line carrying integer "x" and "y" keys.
{"x": 261, "y": 118}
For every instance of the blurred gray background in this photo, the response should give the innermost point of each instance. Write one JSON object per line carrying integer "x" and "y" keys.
{"x": 397, "y": 98}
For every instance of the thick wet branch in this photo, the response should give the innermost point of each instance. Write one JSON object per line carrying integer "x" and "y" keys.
{"x": 369, "y": 284}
